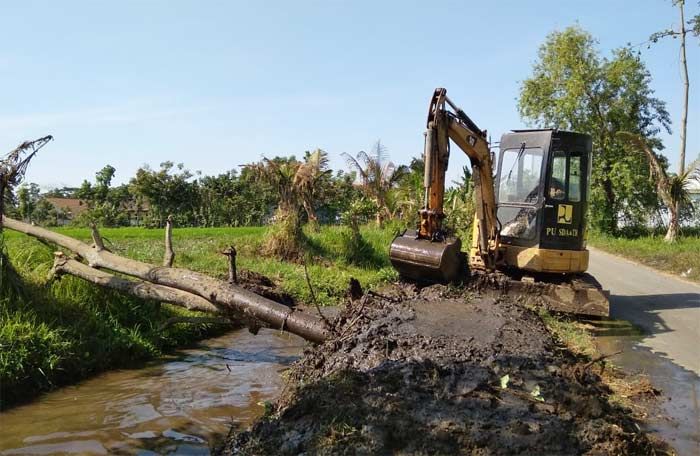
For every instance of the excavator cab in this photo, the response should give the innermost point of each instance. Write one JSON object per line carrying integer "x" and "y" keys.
{"x": 542, "y": 197}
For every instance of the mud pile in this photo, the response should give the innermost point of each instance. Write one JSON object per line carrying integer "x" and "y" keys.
{"x": 441, "y": 371}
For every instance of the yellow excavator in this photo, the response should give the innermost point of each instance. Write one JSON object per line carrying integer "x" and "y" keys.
{"x": 530, "y": 221}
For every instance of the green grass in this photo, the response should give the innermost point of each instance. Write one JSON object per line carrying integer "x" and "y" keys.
{"x": 569, "y": 333}
{"x": 681, "y": 257}
{"x": 62, "y": 331}
{"x": 330, "y": 265}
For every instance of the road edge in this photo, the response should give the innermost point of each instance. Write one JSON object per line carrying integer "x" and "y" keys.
{"x": 651, "y": 268}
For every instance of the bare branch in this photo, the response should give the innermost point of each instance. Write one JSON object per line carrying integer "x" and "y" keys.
{"x": 169, "y": 256}
{"x": 230, "y": 252}
{"x": 313, "y": 296}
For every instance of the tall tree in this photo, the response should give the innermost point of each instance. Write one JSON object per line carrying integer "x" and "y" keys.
{"x": 105, "y": 205}
{"x": 681, "y": 33}
{"x": 572, "y": 87}
{"x": 169, "y": 191}
{"x": 28, "y": 195}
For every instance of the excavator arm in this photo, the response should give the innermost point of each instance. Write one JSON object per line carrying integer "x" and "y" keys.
{"x": 430, "y": 253}
{"x": 444, "y": 125}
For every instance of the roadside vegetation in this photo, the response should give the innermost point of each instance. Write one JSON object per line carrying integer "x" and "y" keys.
{"x": 681, "y": 257}
{"x": 578, "y": 337}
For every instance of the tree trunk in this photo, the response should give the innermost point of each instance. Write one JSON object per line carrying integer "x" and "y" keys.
{"x": 611, "y": 213}
{"x": 663, "y": 184}
{"x": 311, "y": 215}
{"x": 225, "y": 296}
{"x": 673, "y": 227}
{"x": 686, "y": 88}
{"x": 169, "y": 255}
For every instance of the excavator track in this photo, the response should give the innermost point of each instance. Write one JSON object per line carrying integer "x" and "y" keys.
{"x": 579, "y": 294}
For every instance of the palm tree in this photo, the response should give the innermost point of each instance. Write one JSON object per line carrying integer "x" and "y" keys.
{"x": 377, "y": 176}
{"x": 279, "y": 173}
{"x": 673, "y": 189}
{"x": 307, "y": 180}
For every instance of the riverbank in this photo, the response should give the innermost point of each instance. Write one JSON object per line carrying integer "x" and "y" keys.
{"x": 59, "y": 332}
{"x": 183, "y": 403}
{"x": 447, "y": 371}
{"x": 54, "y": 333}
{"x": 681, "y": 258}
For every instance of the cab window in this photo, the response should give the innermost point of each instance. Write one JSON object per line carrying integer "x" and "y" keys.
{"x": 575, "y": 178}
{"x": 565, "y": 181}
{"x": 557, "y": 181}
{"x": 520, "y": 175}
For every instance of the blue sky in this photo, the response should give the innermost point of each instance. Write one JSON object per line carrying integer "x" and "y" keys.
{"x": 219, "y": 84}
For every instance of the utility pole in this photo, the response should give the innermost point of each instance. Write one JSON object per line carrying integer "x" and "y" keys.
{"x": 686, "y": 87}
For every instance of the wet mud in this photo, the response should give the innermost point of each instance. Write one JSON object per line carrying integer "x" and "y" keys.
{"x": 439, "y": 370}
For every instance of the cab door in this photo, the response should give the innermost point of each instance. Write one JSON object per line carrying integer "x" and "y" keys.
{"x": 564, "y": 210}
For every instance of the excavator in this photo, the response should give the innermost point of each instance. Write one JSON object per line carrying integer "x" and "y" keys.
{"x": 530, "y": 220}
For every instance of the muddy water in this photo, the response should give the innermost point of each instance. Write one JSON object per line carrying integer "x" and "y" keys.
{"x": 676, "y": 416}
{"x": 181, "y": 405}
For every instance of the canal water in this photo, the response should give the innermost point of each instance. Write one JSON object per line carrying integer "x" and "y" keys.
{"x": 675, "y": 415}
{"x": 180, "y": 405}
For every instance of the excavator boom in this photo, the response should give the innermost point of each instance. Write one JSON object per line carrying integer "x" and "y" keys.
{"x": 429, "y": 253}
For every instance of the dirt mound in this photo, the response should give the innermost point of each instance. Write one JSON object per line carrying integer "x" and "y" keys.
{"x": 441, "y": 371}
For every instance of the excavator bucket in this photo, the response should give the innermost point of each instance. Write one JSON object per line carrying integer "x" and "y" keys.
{"x": 424, "y": 260}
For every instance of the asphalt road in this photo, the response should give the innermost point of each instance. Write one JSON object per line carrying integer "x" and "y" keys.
{"x": 665, "y": 307}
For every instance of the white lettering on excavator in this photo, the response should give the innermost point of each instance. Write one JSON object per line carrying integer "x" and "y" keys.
{"x": 567, "y": 232}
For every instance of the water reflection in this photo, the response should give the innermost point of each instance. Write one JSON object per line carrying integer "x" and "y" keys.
{"x": 676, "y": 418}
{"x": 182, "y": 405}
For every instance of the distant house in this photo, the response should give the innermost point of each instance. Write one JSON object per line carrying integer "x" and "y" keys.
{"x": 694, "y": 190}
{"x": 137, "y": 211}
{"x": 70, "y": 208}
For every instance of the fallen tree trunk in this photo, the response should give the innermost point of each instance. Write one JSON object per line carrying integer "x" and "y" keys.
{"x": 226, "y": 297}
{"x": 145, "y": 290}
